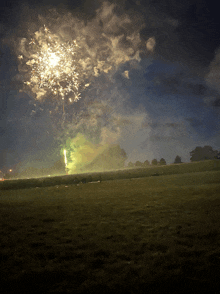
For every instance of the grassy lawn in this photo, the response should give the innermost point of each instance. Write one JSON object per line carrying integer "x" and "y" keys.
{"x": 139, "y": 235}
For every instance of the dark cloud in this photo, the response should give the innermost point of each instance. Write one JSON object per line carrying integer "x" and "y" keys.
{"x": 163, "y": 139}
{"x": 213, "y": 76}
{"x": 178, "y": 85}
{"x": 158, "y": 125}
{"x": 172, "y": 125}
{"x": 197, "y": 89}
{"x": 216, "y": 103}
{"x": 194, "y": 122}
{"x": 165, "y": 80}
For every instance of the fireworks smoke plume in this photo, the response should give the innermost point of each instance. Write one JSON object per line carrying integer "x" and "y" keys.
{"x": 62, "y": 57}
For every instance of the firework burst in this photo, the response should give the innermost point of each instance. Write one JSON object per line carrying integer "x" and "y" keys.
{"x": 54, "y": 66}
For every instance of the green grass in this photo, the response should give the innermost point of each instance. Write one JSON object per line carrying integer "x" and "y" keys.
{"x": 136, "y": 235}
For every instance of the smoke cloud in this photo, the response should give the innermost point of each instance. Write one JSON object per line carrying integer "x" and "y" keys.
{"x": 104, "y": 42}
{"x": 213, "y": 76}
{"x": 109, "y": 44}
{"x": 115, "y": 46}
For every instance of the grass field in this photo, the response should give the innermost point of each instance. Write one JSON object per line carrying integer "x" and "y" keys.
{"x": 135, "y": 235}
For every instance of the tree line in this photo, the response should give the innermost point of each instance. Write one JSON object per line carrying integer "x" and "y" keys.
{"x": 198, "y": 154}
{"x": 111, "y": 158}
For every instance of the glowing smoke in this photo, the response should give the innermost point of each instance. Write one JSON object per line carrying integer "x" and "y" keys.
{"x": 110, "y": 42}
{"x": 81, "y": 152}
{"x": 213, "y": 76}
{"x": 67, "y": 55}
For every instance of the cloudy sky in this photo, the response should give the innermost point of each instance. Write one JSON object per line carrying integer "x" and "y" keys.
{"x": 153, "y": 73}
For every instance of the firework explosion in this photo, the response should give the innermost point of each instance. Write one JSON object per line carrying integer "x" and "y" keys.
{"x": 60, "y": 58}
{"x": 53, "y": 66}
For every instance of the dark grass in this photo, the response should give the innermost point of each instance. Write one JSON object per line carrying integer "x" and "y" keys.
{"x": 31, "y": 182}
{"x": 147, "y": 235}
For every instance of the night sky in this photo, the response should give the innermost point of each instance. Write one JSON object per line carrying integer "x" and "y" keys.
{"x": 161, "y": 98}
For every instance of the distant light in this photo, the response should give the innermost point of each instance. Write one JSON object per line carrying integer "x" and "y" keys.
{"x": 10, "y": 170}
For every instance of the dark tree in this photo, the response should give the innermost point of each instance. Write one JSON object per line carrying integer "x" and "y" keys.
{"x": 217, "y": 156}
{"x": 146, "y": 163}
{"x": 31, "y": 172}
{"x": 177, "y": 159}
{"x": 1, "y": 175}
{"x": 113, "y": 157}
{"x": 59, "y": 166}
{"x": 118, "y": 156}
{"x": 130, "y": 164}
{"x": 138, "y": 164}
{"x": 163, "y": 161}
{"x": 7, "y": 176}
{"x": 203, "y": 153}
{"x": 154, "y": 162}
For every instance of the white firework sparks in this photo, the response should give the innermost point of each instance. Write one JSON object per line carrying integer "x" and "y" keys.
{"x": 63, "y": 61}
{"x": 53, "y": 66}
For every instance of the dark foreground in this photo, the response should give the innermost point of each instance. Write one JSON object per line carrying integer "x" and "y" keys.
{"x": 148, "y": 235}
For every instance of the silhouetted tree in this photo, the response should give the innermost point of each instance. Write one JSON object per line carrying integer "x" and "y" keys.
{"x": 31, "y": 172}
{"x": 154, "y": 162}
{"x": 7, "y": 176}
{"x": 59, "y": 166}
{"x": 130, "y": 164}
{"x": 138, "y": 164}
{"x": 1, "y": 175}
{"x": 146, "y": 163}
{"x": 203, "y": 153}
{"x": 177, "y": 159}
{"x": 217, "y": 156}
{"x": 163, "y": 161}
{"x": 113, "y": 157}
